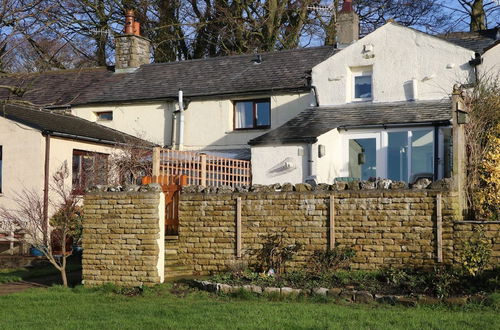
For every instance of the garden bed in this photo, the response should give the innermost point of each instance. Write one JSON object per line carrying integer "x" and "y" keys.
{"x": 389, "y": 285}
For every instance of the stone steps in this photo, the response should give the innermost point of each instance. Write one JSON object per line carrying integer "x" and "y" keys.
{"x": 173, "y": 267}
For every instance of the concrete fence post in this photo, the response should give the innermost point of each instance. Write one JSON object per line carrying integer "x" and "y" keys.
{"x": 332, "y": 222}
{"x": 439, "y": 228}
{"x": 238, "y": 227}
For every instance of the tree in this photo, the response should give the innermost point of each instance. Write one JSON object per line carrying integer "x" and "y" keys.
{"x": 477, "y": 13}
{"x": 29, "y": 214}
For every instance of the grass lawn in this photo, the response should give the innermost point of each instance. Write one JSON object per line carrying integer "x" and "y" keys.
{"x": 83, "y": 308}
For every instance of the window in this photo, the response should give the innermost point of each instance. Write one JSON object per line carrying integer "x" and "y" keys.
{"x": 104, "y": 115}
{"x": 88, "y": 169}
{"x": 252, "y": 114}
{"x": 362, "y": 84}
{"x": 399, "y": 155}
{"x": 0, "y": 169}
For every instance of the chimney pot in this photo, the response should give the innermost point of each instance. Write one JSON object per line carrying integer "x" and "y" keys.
{"x": 346, "y": 6}
{"x": 129, "y": 22}
{"x": 137, "y": 28}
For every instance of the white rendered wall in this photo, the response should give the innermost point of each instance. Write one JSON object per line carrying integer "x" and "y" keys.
{"x": 208, "y": 123}
{"x": 329, "y": 166}
{"x": 148, "y": 121}
{"x": 279, "y": 164}
{"x": 400, "y": 55}
{"x": 22, "y": 160}
{"x": 490, "y": 68}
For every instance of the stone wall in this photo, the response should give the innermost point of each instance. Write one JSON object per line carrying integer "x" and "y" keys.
{"x": 123, "y": 238}
{"x": 386, "y": 227}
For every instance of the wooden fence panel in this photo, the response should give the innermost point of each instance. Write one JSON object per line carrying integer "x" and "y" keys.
{"x": 202, "y": 169}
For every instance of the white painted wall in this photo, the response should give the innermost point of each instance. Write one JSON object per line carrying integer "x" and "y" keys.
{"x": 400, "y": 55}
{"x": 22, "y": 160}
{"x": 329, "y": 166}
{"x": 279, "y": 164}
{"x": 491, "y": 63}
{"x": 208, "y": 123}
{"x": 148, "y": 121}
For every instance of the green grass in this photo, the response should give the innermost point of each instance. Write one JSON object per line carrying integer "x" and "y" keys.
{"x": 20, "y": 274}
{"x": 83, "y": 308}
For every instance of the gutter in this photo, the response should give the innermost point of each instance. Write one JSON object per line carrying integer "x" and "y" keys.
{"x": 428, "y": 123}
{"x": 308, "y": 140}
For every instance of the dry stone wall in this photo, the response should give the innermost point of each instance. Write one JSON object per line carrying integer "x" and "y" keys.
{"x": 386, "y": 227}
{"x": 123, "y": 238}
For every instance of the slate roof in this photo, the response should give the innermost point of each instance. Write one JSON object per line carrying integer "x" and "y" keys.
{"x": 313, "y": 122}
{"x": 284, "y": 70}
{"x": 57, "y": 88}
{"x": 66, "y": 125}
{"x": 476, "y": 41}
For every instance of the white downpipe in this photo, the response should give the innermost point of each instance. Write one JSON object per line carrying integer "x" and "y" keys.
{"x": 181, "y": 120}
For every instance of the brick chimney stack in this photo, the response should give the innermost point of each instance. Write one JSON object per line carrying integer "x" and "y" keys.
{"x": 347, "y": 24}
{"x": 131, "y": 50}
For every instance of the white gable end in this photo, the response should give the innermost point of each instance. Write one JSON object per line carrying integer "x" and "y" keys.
{"x": 403, "y": 65}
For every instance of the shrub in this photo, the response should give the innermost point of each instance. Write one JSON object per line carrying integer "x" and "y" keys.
{"x": 275, "y": 252}
{"x": 476, "y": 253}
{"x": 442, "y": 281}
{"x": 331, "y": 260}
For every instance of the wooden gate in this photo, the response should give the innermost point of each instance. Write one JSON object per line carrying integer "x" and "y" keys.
{"x": 172, "y": 186}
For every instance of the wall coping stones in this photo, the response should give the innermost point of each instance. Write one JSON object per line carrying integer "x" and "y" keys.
{"x": 340, "y": 186}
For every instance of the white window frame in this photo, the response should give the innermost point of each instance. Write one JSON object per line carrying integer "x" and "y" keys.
{"x": 382, "y": 143}
{"x": 363, "y": 135}
{"x": 366, "y": 71}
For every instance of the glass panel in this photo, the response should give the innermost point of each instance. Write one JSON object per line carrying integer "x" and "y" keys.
{"x": 263, "y": 113}
{"x": 422, "y": 154}
{"x": 397, "y": 156}
{"x": 106, "y": 115}
{"x": 363, "y": 87}
{"x": 363, "y": 158}
{"x": 76, "y": 174}
{"x": 244, "y": 115}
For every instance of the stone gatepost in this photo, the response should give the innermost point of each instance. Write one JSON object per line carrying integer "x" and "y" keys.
{"x": 123, "y": 238}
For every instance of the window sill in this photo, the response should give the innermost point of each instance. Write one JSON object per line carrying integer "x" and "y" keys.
{"x": 251, "y": 129}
